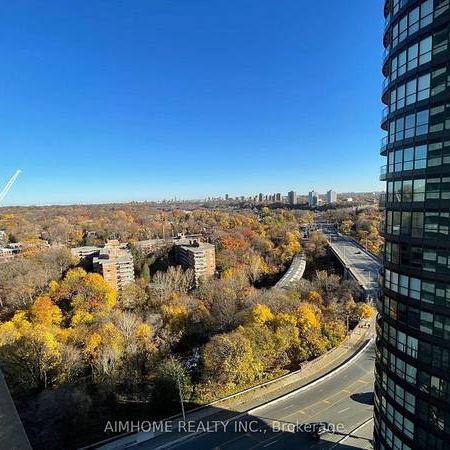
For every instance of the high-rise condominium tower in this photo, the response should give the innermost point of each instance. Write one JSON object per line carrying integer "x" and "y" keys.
{"x": 412, "y": 389}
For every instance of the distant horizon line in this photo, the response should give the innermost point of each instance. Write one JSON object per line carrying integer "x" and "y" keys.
{"x": 165, "y": 201}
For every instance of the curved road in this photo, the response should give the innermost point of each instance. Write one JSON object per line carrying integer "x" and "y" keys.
{"x": 345, "y": 398}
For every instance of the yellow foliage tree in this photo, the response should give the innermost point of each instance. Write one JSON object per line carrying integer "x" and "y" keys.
{"x": 346, "y": 226}
{"x": 314, "y": 297}
{"x": 307, "y": 318}
{"x": 174, "y": 316}
{"x": 45, "y": 312}
{"x": 365, "y": 311}
{"x": 260, "y": 314}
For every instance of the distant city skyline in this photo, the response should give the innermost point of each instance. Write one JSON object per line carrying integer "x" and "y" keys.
{"x": 152, "y": 100}
{"x": 283, "y": 197}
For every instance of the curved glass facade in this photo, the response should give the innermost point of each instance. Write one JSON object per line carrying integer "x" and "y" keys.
{"x": 412, "y": 370}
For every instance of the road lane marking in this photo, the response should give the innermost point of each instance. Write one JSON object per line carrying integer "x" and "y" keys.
{"x": 237, "y": 438}
{"x": 288, "y": 406}
{"x": 351, "y": 432}
{"x": 270, "y": 443}
{"x": 298, "y": 391}
{"x": 342, "y": 410}
{"x": 337, "y": 397}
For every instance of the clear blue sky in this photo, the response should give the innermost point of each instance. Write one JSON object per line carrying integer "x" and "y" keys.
{"x": 108, "y": 100}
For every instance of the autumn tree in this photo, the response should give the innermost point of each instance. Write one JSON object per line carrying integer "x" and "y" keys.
{"x": 365, "y": 311}
{"x": 346, "y": 226}
{"x": 228, "y": 358}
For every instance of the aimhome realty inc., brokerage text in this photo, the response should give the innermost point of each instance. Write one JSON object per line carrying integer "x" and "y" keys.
{"x": 214, "y": 426}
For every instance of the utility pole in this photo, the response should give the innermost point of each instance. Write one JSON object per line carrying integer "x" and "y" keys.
{"x": 181, "y": 398}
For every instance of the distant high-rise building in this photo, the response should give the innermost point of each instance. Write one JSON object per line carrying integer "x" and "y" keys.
{"x": 292, "y": 197}
{"x": 278, "y": 197}
{"x": 227, "y": 197}
{"x": 260, "y": 197}
{"x": 313, "y": 198}
{"x": 115, "y": 263}
{"x": 331, "y": 197}
{"x": 412, "y": 367}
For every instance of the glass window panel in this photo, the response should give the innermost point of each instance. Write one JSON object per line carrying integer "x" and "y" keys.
{"x": 423, "y": 88}
{"x": 407, "y": 191}
{"x": 422, "y": 117}
{"x": 426, "y": 15}
{"x": 401, "y": 96}
{"x": 401, "y": 63}
{"x": 419, "y": 190}
{"x": 411, "y": 92}
{"x": 425, "y": 50}
{"x": 413, "y": 53}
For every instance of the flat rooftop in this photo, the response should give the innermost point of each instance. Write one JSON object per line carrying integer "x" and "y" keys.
{"x": 195, "y": 246}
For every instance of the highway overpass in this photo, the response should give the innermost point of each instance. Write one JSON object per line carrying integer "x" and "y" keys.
{"x": 358, "y": 263}
{"x": 294, "y": 273}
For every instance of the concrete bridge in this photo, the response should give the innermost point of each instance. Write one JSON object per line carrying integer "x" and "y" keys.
{"x": 359, "y": 264}
{"x": 294, "y": 273}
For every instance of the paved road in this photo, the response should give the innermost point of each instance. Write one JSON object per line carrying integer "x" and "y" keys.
{"x": 345, "y": 399}
{"x": 363, "y": 266}
{"x": 294, "y": 273}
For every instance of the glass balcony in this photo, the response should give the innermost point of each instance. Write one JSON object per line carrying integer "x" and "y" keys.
{"x": 384, "y": 114}
{"x": 383, "y": 173}
{"x": 386, "y": 54}
{"x": 387, "y": 22}
{"x": 384, "y": 143}
{"x": 385, "y": 85}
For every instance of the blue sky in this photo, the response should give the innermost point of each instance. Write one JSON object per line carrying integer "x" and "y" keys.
{"x": 108, "y": 100}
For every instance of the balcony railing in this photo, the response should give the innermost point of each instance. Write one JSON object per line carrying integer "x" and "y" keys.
{"x": 387, "y": 22}
{"x": 386, "y": 54}
{"x": 385, "y": 84}
{"x": 382, "y": 200}
{"x": 384, "y": 114}
{"x": 383, "y": 173}
{"x": 384, "y": 143}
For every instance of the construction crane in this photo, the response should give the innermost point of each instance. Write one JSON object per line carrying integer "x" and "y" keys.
{"x": 9, "y": 185}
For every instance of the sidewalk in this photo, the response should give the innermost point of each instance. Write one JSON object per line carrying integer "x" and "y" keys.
{"x": 226, "y": 409}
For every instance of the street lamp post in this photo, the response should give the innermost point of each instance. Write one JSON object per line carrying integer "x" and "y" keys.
{"x": 181, "y": 398}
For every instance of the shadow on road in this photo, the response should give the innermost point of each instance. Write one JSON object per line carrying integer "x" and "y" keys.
{"x": 221, "y": 430}
{"x": 364, "y": 397}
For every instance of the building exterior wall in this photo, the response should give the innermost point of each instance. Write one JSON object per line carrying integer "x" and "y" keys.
{"x": 331, "y": 197}
{"x": 313, "y": 198}
{"x": 198, "y": 256}
{"x": 115, "y": 264}
{"x": 292, "y": 198}
{"x": 412, "y": 387}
